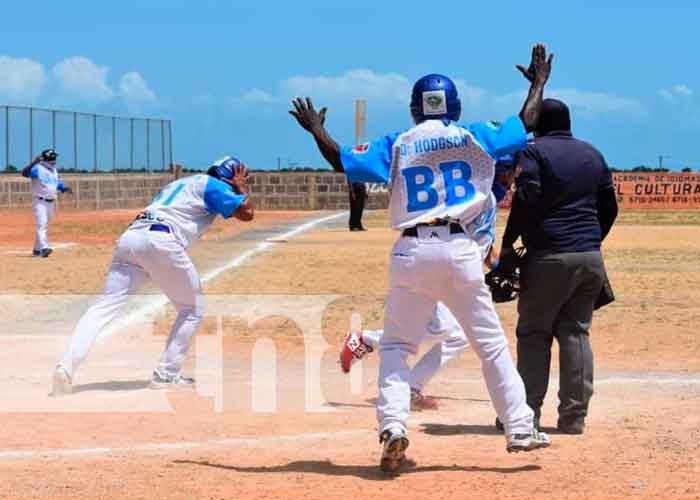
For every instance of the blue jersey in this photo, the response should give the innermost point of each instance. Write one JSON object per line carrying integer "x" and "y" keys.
{"x": 45, "y": 180}
{"x": 436, "y": 170}
{"x": 189, "y": 206}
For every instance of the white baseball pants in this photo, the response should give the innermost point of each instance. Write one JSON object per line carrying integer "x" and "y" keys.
{"x": 450, "y": 339}
{"x": 439, "y": 266}
{"x": 141, "y": 254}
{"x": 43, "y": 213}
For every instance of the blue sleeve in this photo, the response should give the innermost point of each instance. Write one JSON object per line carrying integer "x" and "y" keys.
{"x": 34, "y": 172}
{"x": 509, "y": 138}
{"x": 61, "y": 186}
{"x": 369, "y": 162}
{"x": 220, "y": 199}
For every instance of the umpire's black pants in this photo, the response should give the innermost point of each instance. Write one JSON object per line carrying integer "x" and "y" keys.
{"x": 358, "y": 195}
{"x": 557, "y": 298}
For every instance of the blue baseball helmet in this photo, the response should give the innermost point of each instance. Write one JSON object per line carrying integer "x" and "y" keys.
{"x": 434, "y": 97}
{"x": 224, "y": 168}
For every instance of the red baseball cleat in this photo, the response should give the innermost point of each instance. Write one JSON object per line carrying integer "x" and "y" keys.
{"x": 420, "y": 402}
{"x": 354, "y": 349}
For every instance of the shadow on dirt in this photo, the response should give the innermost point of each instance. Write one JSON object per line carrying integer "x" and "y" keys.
{"x": 459, "y": 429}
{"x": 369, "y": 472}
{"x": 114, "y": 385}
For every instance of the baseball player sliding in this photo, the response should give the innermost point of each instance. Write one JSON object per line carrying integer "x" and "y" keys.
{"x": 443, "y": 329}
{"x": 155, "y": 246}
{"x": 440, "y": 176}
{"x": 46, "y": 183}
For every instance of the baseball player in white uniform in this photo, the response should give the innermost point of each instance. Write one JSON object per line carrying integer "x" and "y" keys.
{"x": 440, "y": 176}
{"x": 155, "y": 246}
{"x": 46, "y": 183}
{"x": 443, "y": 328}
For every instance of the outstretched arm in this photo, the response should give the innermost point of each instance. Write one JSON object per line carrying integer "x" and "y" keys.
{"x": 537, "y": 74}
{"x": 312, "y": 121}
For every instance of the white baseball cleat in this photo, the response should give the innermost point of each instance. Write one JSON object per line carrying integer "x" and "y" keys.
{"x": 161, "y": 381}
{"x": 394, "y": 451}
{"x": 62, "y": 383}
{"x": 527, "y": 442}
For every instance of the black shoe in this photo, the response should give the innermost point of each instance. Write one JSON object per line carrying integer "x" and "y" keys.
{"x": 46, "y": 252}
{"x": 36, "y": 253}
{"x": 535, "y": 422}
{"x": 571, "y": 426}
{"x": 358, "y": 229}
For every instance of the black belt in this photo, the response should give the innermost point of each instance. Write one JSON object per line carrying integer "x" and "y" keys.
{"x": 44, "y": 199}
{"x": 413, "y": 231}
{"x": 159, "y": 227}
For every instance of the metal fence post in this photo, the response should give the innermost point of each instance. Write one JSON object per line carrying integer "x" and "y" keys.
{"x": 162, "y": 145}
{"x": 75, "y": 140}
{"x": 170, "y": 141}
{"x": 114, "y": 144}
{"x": 31, "y": 134}
{"x": 7, "y": 137}
{"x": 131, "y": 144}
{"x": 94, "y": 140}
{"x": 148, "y": 145}
{"x": 53, "y": 129}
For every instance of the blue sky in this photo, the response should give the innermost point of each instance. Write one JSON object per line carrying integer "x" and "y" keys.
{"x": 224, "y": 71}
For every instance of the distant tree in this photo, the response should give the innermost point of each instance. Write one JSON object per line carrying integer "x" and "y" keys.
{"x": 11, "y": 169}
{"x": 687, "y": 169}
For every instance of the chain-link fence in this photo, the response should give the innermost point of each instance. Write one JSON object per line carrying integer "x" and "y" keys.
{"x": 85, "y": 142}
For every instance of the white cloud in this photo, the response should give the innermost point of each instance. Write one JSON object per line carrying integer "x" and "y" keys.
{"x": 675, "y": 92}
{"x": 584, "y": 102}
{"x": 81, "y": 79}
{"x": 134, "y": 90}
{"x": 356, "y": 83}
{"x": 22, "y": 80}
{"x": 594, "y": 103}
{"x": 256, "y": 95}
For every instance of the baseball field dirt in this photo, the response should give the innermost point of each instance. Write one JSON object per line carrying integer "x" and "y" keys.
{"x": 273, "y": 416}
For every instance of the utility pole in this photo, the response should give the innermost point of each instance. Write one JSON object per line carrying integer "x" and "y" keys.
{"x": 360, "y": 120}
{"x": 661, "y": 160}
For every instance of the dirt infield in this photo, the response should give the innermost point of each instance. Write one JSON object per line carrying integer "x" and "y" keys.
{"x": 114, "y": 438}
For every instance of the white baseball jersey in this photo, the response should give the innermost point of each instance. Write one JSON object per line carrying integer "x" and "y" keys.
{"x": 437, "y": 169}
{"x": 189, "y": 206}
{"x": 45, "y": 180}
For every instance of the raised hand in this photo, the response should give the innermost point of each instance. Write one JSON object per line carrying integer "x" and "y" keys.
{"x": 540, "y": 65}
{"x": 307, "y": 116}
{"x": 240, "y": 179}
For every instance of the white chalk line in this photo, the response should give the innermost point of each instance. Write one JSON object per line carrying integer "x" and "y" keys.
{"x": 651, "y": 378}
{"x": 159, "y": 301}
{"x": 10, "y": 455}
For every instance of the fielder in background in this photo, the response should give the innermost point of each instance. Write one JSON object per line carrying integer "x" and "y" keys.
{"x": 564, "y": 206}
{"x": 46, "y": 183}
{"x": 357, "y": 193}
{"x": 440, "y": 176}
{"x": 155, "y": 246}
{"x": 443, "y": 329}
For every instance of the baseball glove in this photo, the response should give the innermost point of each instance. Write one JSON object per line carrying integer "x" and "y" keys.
{"x": 504, "y": 281}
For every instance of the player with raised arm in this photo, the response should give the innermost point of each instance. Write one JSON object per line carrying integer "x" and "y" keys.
{"x": 440, "y": 176}
{"x": 443, "y": 329}
{"x": 46, "y": 183}
{"x": 155, "y": 246}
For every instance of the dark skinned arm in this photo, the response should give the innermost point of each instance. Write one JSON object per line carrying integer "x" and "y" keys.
{"x": 313, "y": 122}
{"x": 537, "y": 74}
{"x": 606, "y": 205}
{"x": 245, "y": 211}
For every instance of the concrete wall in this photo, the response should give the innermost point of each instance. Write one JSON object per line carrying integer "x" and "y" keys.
{"x": 306, "y": 191}
{"x": 90, "y": 192}
{"x": 271, "y": 191}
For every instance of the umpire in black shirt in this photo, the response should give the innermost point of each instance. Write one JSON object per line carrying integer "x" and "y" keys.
{"x": 564, "y": 206}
